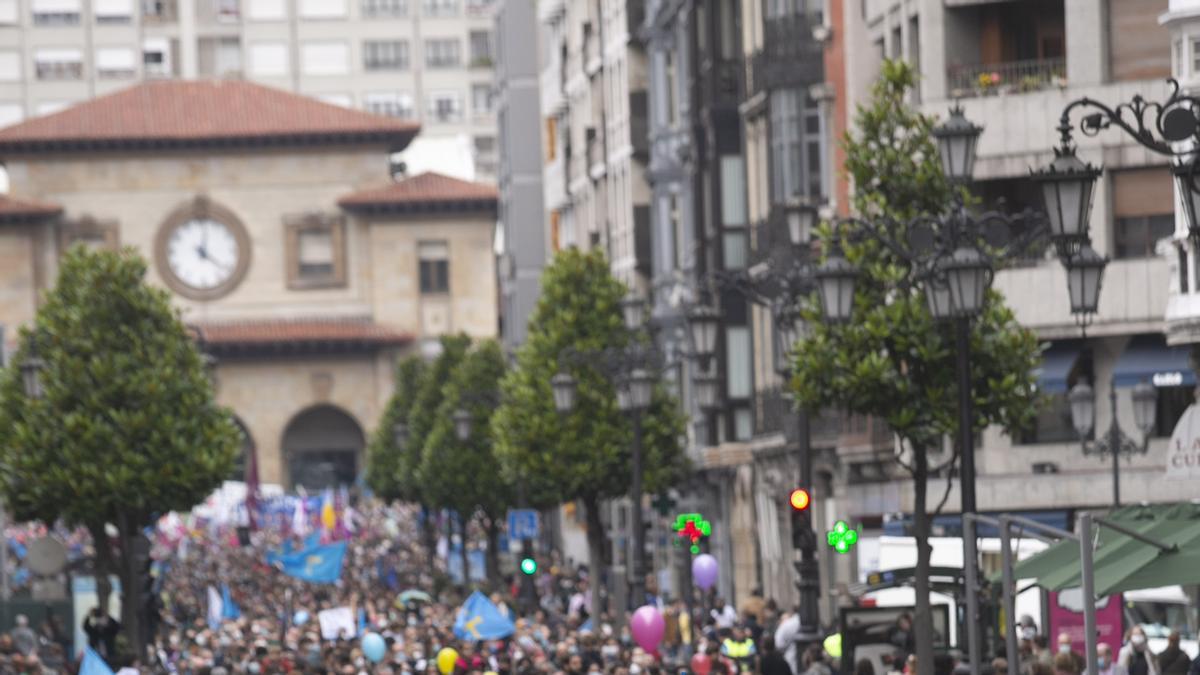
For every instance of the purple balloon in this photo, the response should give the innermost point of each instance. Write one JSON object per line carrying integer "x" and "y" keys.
{"x": 705, "y": 571}
{"x": 647, "y": 627}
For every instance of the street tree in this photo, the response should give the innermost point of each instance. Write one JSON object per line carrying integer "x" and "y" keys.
{"x": 582, "y": 455}
{"x": 389, "y": 465}
{"x": 126, "y": 428}
{"x": 893, "y": 361}
{"x": 464, "y": 475}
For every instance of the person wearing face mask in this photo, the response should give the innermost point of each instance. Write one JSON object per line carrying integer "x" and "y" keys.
{"x": 1064, "y": 647}
{"x": 1104, "y": 661}
{"x": 1135, "y": 656}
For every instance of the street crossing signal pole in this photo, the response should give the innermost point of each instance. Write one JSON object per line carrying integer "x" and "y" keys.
{"x": 804, "y": 541}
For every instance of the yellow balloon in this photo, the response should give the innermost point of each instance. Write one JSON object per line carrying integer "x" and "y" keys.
{"x": 446, "y": 660}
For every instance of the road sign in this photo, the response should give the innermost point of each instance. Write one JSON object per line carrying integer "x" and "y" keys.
{"x": 522, "y": 524}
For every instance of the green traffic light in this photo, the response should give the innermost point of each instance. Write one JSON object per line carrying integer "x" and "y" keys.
{"x": 529, "y": 565}
{"x": 841, "y": 537}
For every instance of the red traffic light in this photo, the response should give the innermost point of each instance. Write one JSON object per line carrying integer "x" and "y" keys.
{"x": 800, "y": 499}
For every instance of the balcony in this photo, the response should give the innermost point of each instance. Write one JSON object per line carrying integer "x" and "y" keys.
{"x": 790, "y": 56}
{"x": 160, "y": 11}
{"x": 723, "y": 82}
{"x": 1014, "y": 77}
{"x": 58, "y": 70}
{"x": 775, "y": 413}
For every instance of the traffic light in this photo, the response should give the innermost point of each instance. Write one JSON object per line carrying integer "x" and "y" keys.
{"x": 803, "y": 537}
{"x": 841, "y": 537}
{"x": 528, "y": 566}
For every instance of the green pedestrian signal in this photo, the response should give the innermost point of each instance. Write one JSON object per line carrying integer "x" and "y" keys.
{"x": 528, "y": 565}
{"x": 841, "y": 537}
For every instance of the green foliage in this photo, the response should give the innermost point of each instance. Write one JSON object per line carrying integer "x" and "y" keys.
{"x": 384, "y": 457}
{"x": 465, "y": 476}
{"x": 893, "y": 360}
{"x": 583, "y": 454}
{"x": 423, "y": 414}
{"x": 127, "y": 427}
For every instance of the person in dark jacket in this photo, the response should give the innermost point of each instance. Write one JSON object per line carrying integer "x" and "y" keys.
{"x": 101, "y": 630}
{"x": 773, "y": 662}
{"x": 1173, "y": 660}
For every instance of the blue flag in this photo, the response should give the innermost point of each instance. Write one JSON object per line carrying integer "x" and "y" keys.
{"x": 320, "y": 565}
{"x": 478, "y": 619}
{"x": 312, "y": 541}
{"x": 93, "y": 664}
{"x": 229, "y": 610}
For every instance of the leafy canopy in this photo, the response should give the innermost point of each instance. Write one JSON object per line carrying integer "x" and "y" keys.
{"x": 584, "y": 454}
{"x": 893, "y": 360}
{"x": 389, "y": 468}
{"x": 127, "y": 424}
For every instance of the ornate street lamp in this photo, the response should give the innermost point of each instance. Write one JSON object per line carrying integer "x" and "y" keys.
{"x": 801, "y": 221}
{"x": 937, "y": 296}
{"x": 790, "y": 327}
{"x": 1145, "y": 406}
{"x": 462, "y": 424}
{"x": 1085, "y": 272}
{"x": 708, "y": 392}
{"x": 956, "y": 139}
{"x": 1083, "y": 409}
{"x": 1114, "y": 443}
{"x": 564, "y": 388}
{"x": 836, "y": 278}
{"x": 704, "y": 322}
{"x": 968, "y": 275}
{"x": 633, "y": 309}
{"x": 1189, "y": 194}
{"x": 641, "y": 387}
{"x": 1068, "y": 187}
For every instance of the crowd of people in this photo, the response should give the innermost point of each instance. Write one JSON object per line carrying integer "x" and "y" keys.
{"x": 268, "y": 624}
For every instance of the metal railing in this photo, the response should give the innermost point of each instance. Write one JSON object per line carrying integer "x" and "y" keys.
{"x": 775, "y": 412}
{"x": 1012, "y": 77}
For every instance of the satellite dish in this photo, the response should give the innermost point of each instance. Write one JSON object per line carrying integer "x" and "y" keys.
{"x": 46, "y": 556}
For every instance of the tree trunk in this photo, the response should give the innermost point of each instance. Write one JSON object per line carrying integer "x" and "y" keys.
{"x": 923, "y": 617}
{"x": 596, "y": 543}
{"x": 104, "y": 564}
{"x": 493, "y": 552}
{"x": 462, "y": 551}
{"x": 430, "y": 540}
{"x": 131, "y": 588}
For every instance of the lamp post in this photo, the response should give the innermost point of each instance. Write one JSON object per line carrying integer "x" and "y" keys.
{"x": 32, "y": 367}
{"x": 1114, "y": 442}
{"x": 633, "y": 369}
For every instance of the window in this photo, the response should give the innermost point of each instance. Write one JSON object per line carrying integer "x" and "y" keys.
{"x": 445, "y": 106}
{"x": 1143, "y": 211}
{"x": 442, "y": 53}
{"x": 485, "y": 145}
{"x": 55, "y": 12}
{"x": 8, "y": 12}
{"x": 113, "y": 11}
{"x": 1053, "y": 421}
{"x": 156, "y": 57}
{"x": 733, "y": 191}
{"x": 434, "y": 266}
{"x": 797, "y": 146}
{"x": 323, "y": 9}
{"x": 675, "y": 218}
{"x": 1136, "y": 236}
{"x": 325, "y": 58}
{"x": 385, "y": 55}
{"x": 267, "y": 10}
{"x": 58, "y": 64}
{"x": 87, "y": 231}
{"x": 481, "y": 98}
{"x": 269, "y": 59}
{"x": 739, "y": 362}
{"x": 384, "y": 8}
{"x": 440, "y": 7}
{"x": 316, "y": 252}
{"x": 390, "y": 104}
{"x": 481, "y": 48}
{"x": 672, "y": 80}
{"x": 114, "y": 63}
{"x": 10, "y": 66}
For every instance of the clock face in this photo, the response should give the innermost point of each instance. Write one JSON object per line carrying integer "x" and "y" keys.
{"x": 202, "y": 250}
{"x": 203, "y": 253}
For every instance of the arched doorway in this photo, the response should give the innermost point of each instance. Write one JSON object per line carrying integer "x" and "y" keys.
{"x": 321, "y": 448}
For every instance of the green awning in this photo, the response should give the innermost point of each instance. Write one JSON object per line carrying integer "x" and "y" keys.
{"x": 1122, "y": 562}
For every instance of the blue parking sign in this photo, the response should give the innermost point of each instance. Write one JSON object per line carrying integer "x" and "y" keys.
{"x": 522, "y": 524}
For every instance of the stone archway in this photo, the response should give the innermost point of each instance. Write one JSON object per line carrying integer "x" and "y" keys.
{"x": 243, "y": 457}
{"x": 322, "y": 447}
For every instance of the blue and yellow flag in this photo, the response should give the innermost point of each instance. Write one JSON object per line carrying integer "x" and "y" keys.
{"x": 478, "y": 619}
{"x": 93, "y": 664}
{"x": 320, "y": 564}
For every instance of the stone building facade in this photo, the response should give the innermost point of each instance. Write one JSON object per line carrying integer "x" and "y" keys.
{"x": 274, "y": 222}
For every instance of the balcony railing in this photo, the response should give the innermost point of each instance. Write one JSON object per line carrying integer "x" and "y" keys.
{"x": 775, "y": 412}
{"x": 790, "y": 55}
{"x": 58, "y": 70}
{"x": 1014, "y": 77}
{"x": 723, "y": 81}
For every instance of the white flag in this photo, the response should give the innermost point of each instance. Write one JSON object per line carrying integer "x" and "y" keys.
{"x": 216, "y": 608}
{"x": 300, "y": 519}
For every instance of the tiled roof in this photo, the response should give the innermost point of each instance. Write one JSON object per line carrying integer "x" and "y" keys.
{"x": 425, "y": 192}
{"x": 291, "y": 335}
{"x": 24, "y": 210}
{"x": 185, "y": 114}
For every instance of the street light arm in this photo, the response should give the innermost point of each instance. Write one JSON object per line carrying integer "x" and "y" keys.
{"x": 1172, "y": 121}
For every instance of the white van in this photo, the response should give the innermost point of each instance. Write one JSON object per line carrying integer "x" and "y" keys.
{"x": 1159, "y": 611}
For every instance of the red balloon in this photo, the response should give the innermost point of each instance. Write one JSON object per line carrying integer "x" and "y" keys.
{"x": 701, "y": 664}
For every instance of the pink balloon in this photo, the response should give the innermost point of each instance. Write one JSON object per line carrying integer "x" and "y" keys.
{"x": 705, "y": 571}
{"x": 647, "y": 627}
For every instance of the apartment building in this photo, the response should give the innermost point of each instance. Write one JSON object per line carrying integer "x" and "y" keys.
{"x": 593, "y": 103}
{"x": 428, "y": 61}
